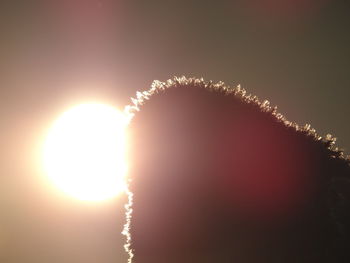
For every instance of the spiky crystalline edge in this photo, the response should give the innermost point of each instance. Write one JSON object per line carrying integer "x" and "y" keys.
{"x": 126, "y": 229}
{"x": 157, "y": 86}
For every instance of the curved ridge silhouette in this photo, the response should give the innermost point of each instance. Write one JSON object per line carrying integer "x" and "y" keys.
{"x": 219, "y": 176}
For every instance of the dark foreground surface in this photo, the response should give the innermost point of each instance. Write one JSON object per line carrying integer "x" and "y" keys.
{"x": 218, "y": 176}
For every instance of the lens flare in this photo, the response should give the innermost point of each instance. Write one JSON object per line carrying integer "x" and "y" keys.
{"x": 84, "y": 152}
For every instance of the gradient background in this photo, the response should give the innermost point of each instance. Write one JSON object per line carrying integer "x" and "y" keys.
{"x": 55, "y": 54}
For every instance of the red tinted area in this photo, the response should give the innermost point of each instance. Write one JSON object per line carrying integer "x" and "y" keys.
{"x": 212, "y": 172}
{"x": 265, "y": 172}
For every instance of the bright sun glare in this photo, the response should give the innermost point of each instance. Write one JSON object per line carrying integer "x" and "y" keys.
{"x": 84, "y": 153}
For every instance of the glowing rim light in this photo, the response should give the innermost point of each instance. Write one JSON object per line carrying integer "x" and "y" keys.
{"x": 84, "y": 153}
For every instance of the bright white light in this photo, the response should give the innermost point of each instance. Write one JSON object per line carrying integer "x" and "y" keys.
{"x": 84, "y": 153}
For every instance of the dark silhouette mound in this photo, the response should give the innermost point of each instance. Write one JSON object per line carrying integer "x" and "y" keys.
{"x": 218, "y": 176}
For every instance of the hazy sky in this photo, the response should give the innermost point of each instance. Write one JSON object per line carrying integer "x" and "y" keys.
{"x": 56, "y": 54}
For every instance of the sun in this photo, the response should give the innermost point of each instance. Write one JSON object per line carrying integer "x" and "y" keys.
{"x": 84, "y": 152}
